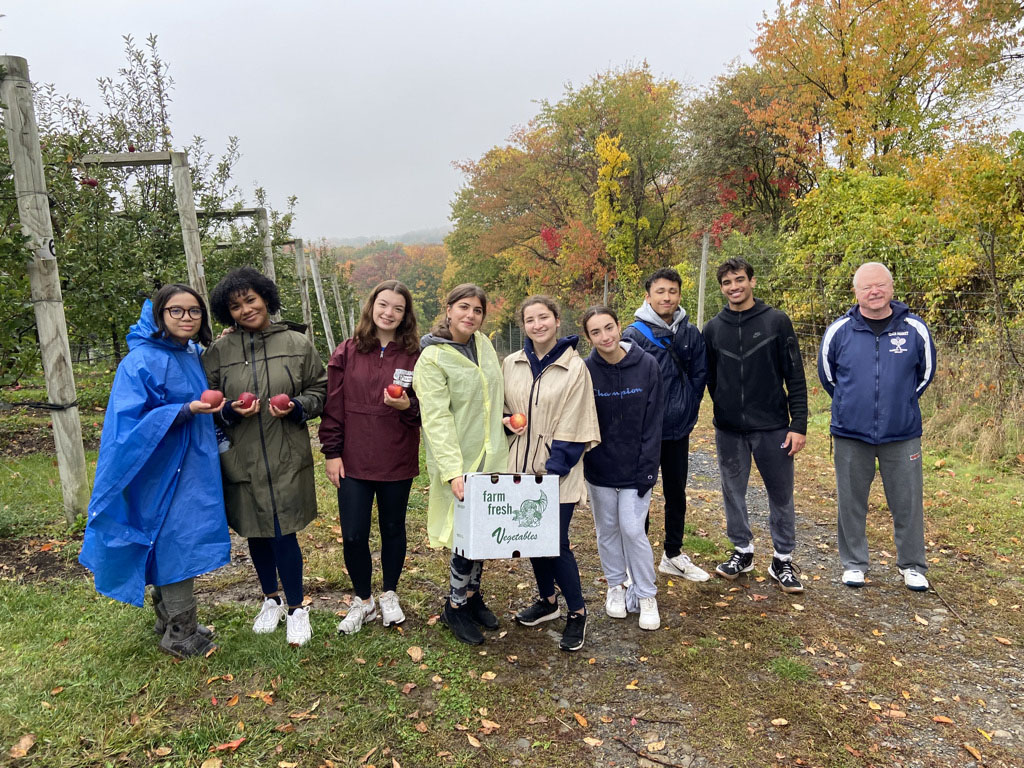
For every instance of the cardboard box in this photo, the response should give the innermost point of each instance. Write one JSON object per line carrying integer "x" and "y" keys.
{"x": 507, "y": 515}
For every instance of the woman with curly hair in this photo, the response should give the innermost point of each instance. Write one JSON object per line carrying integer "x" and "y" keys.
{"x": 370, "y": 437}
{"x": 267, "y": 466}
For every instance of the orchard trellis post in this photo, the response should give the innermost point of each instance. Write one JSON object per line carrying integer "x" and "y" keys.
{"x": 183, "y": 196}
{"x": 338, "y": 306}
{"x": 318, "y": 287}
{"x": 54, "y": 349}
{"x": 262, "y": 226}
{"x": 300, "y": 273}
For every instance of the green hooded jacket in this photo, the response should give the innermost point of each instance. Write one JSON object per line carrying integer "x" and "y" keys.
{"x": 268, "y": 469}
{"x": 461, "y": 409}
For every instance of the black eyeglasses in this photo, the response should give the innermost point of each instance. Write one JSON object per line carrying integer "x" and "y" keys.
{"x": 179, "y": 312}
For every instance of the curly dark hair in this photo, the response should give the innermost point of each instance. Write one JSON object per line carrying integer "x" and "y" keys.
{"x": 204, "y": 335}
{"x": 238, "y": 281}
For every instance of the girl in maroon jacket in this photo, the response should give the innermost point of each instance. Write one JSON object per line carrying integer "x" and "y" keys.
{"x": 370, "y": 436}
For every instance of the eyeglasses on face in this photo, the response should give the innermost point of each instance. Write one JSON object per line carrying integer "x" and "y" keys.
{"x": 179, "y": 312}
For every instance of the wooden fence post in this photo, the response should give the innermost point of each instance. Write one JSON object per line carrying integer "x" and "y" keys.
{"x": 300, "y": 274}
{"x": 338, "y": 305}
{"x": 318, "y": 287}
{"x": 703, "y": 280}
{"x": 54, "y": 350}
{"x": 186, "y": 202}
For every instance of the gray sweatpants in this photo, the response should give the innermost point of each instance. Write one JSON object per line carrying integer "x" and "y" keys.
{"x": 177, "y": 597}
{"x": 900, "y": 465}
{"x": 776, "y": 467}
{"x": 622, "y": 543}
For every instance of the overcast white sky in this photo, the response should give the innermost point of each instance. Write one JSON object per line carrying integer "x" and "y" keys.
{"x": 359, "y": 108}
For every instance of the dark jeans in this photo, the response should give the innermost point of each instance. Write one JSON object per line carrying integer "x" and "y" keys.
{"x": 561, "y": 569}
{"x": 278, "y": 556}
{"x": 355, "y": 506}
{"x": 675, "y": 463}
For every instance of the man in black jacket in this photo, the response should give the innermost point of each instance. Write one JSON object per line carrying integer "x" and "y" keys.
{"x": 756, "y": 381}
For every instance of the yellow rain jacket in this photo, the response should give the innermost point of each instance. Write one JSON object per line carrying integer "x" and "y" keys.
{"x": 460, "y": 409}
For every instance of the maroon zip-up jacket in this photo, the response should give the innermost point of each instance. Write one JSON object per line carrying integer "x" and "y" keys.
{"x": 375, "y": 441}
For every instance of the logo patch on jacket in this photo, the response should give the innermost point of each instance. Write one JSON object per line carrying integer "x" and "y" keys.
{"x": 897, "y": 345}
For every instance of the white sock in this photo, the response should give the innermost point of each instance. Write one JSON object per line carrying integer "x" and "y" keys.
{"x": 747, "y": 550}
{"x": 784, "y": 558}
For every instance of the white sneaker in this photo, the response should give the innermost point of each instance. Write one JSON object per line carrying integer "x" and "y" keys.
{"x": 299, "y": 630}
{"x": 681, "y": 565}
{"x": 914, "y": 579}
{"x": 853, "y": 578}
{"x": 649, "y": 617}
{"x": 615, "y": 602}
{"x": 390, "y": 610}
{"x": 271, "y": 613}
{"x": 359, "y": 613}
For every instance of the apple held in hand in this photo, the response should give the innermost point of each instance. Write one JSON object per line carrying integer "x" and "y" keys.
{"x": 212, "y": 397}
{"x": 246, "y": 399}
{"x": 281, "y": 402}
{"x": 395, "y": 391}
{"x": 517, "y": 420}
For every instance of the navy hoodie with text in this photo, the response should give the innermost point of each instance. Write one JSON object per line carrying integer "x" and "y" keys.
{"x": 630, "y": 408}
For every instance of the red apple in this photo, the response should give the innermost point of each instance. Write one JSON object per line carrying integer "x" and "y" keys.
{"x": 395, "y": 391}
{"x": 131, "y": 147}
{"x": 247, "y": 399}
{"x": 281, "y": 402}
{"x": 212, "y": 397}
{"x": 88, "y": 181}
{"x": 517, "y": 420}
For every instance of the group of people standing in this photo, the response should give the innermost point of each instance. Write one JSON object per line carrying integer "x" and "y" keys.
{"x": 605, "y": 425}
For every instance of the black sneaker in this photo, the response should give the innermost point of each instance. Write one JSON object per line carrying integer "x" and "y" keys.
{"x": 539, "y": 612}
{"x": 480, "y": 613}
{"x": 575, "y": 630}
{"x": 783, "y": 572}
{"x": 461, "y": 624}
{"x": 740, "y": 562}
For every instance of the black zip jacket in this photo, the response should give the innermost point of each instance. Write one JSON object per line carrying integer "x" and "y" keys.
{"x": 755, "y": 373}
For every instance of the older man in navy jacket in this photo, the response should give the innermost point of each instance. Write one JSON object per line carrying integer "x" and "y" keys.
{"x": 875, "y": 362}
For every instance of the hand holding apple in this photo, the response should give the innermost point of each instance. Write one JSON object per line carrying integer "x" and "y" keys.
{"x": 212, "y": 397}
{"x": 516, "y": 423}
{"x": 281, "y": 405}
{"x": 246, "y": 405}
{"x": 396, "y": 397}
{"x": 210, "y": 401}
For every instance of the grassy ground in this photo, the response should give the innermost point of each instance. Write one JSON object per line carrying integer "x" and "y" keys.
{"x": 739, "y": 675}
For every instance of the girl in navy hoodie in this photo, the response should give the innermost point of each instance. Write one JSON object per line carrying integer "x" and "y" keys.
{"x": 622, "y": 470}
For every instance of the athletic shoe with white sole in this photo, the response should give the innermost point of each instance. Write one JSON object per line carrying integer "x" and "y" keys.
{"x": 298, "y": 630}
{"x": 649, "y": 616}
{"x": 359, "y": 612}
{"x": 738, "y": 562}
{"x": 682, "y": 565}
{"x": 270, "y": 615}
{"x": 853, "y": 578}
{"x": 575, "y": 632}
{"x": 390, "y": 611}
{"x": 542, "y": 610}
{"x": 615, "y": 602}
{"x": 914, "y": 579}
{"x": 783, "y": 572}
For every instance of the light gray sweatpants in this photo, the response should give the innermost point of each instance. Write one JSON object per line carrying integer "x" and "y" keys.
{"x": 619, "y": 517}
{"x": 177, "y": 597}
{"x": 900, "y": 465}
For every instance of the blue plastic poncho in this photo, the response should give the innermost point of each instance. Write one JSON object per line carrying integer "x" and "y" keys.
{"x": 157, "y": 510}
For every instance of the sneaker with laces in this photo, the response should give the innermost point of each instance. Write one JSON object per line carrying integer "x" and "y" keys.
{"x": 783, "y": 571}
{"x": 681, "y": 565}
{"x": 297, "y": 628}
{"x": 461, "y": 624}
{"x": 575, "y": 631}
{"x": 480, "y": 613}
{"x": 390, "y": 611}
{"x": 852, "y": 577}
{"x": 649, "y": 616}
{"x": 270, "y": 615}
{"x": 359, "y": 612}
{"x": 615, "y": 602}
{"x": 914, "y": 579}
{"x": 542, "y": 610}
{"x": 738, "y": 562}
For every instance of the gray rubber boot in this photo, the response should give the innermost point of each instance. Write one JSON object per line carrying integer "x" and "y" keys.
{"x": 182, "y": 637}
{"x": 160, "y": 625}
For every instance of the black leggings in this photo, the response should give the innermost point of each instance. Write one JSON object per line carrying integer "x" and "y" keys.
{"x": 279, "y": 555}
{"x": 355, "y": 507}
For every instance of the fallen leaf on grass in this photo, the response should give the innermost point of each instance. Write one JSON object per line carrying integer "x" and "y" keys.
{"x": 758, "y": 598}
{"x": 436, "y": 679}
{"x": 581, "y": 720}
{"x": 25, "y": 743}
{"x": 986, "y": 734}
{"x": 797, "y": 607}
{"x": 212, "y": 762}
{"x": 421, "y": 727}
{"x": 233, "y": 700}
{"x": 489, "y": 725}
{"x": 1002, "y": 640}
{"x": 974, "y": 753}
{"x": 395, "y": 763}
{"x": 286, "y": 764}
{"x": 942, "y": 719}
{"x": 55, "y": 691}
{"x": 591, "y": 741}
{"x": 408, "y": 688}
{"x": 656, "y": 746}
{"x": 896, "y": 661}
{"x": 285, "y": 728}
{"x": 473, "y": 740}
{"x": 265, "y": 696}
{"x": 364, "y": 758}
{"x": 606, "y": 719}
{"x": 359, "y": 661}
{"x": 875, "y": 706}
{"x": 633, "y": 685}
{"x": 228, "y": 746}
{"x": 993, "y": 602}
{"x": 897, "y": 713}
{"x": 162, "y": 751}
{"x": 433, "y": 619}
{"x": 415, "y": 653}
{"x": 780, "y": 722}
{"x": 488, "y": 676}
{"x": 922, "y": 621}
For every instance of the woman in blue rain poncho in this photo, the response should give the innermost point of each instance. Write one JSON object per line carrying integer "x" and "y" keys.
{"x": 157, "y": 510}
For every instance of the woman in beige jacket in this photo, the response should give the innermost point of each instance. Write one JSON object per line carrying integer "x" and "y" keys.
{"x": 549, "y": 384}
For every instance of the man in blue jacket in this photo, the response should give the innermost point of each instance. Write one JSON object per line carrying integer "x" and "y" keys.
{"x": 875, "y": 362}
{"x": 756, "y": 381}
{"x": 662, "y": 329}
